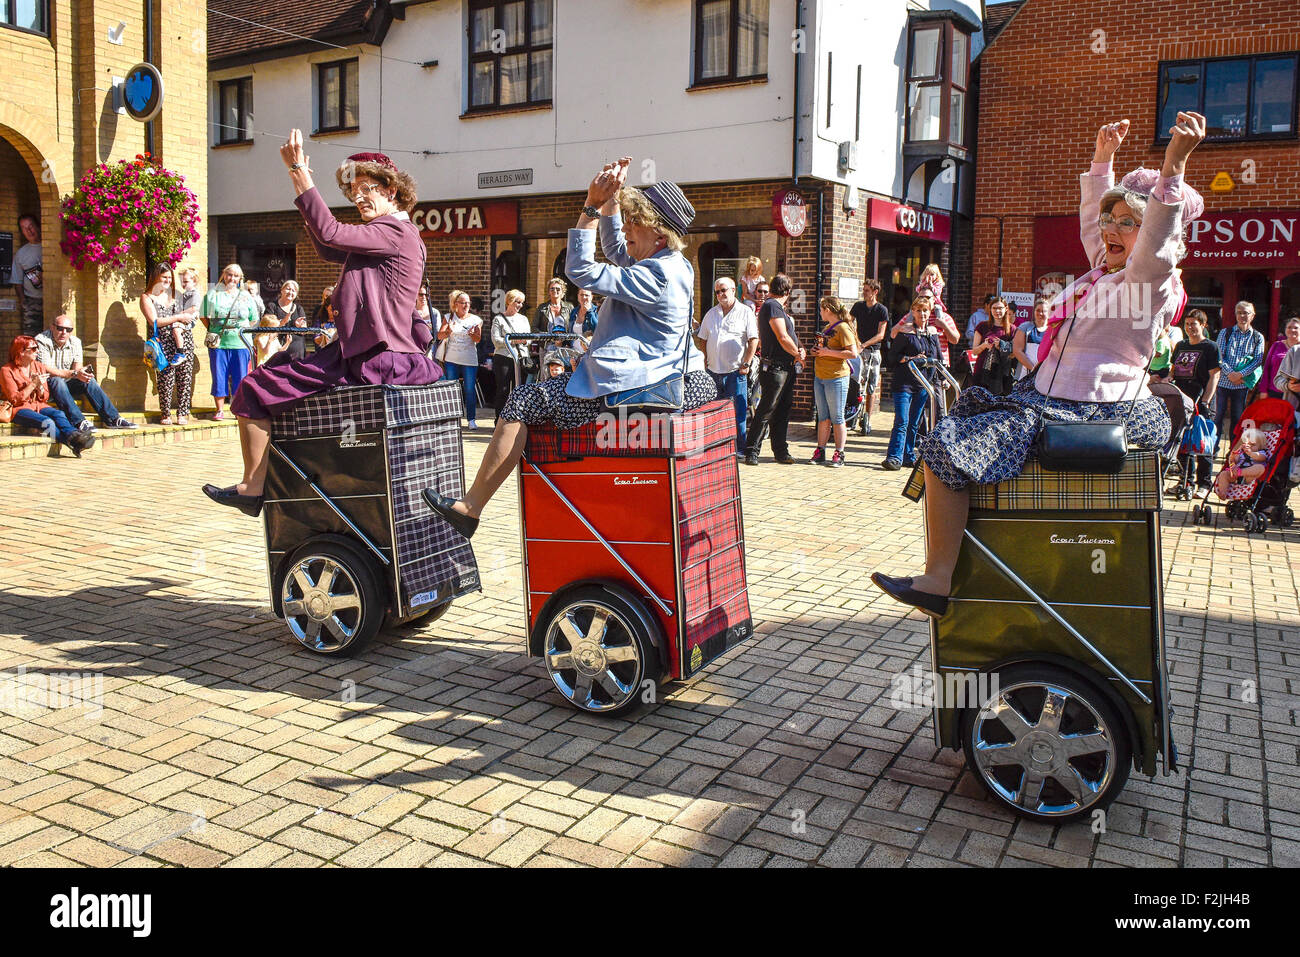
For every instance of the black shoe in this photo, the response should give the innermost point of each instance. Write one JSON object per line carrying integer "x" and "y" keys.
{"x": 751, "y": 458}
{"x": 785, "y": 459}
{"x": 901, "y": 589}
{"x": 79, "y": 441}
{"x": 466, "y": 525}
{"x": 122, "y": 424}
{"x": 248, "y": 504}
{"x": 891, "y": 465}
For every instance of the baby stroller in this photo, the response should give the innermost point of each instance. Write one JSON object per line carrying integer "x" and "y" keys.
{"x": 1196, "y": 439}
{"x": 1271, "y": 490}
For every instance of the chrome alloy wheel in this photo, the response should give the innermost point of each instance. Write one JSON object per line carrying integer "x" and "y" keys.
{"x": 321, "y": 602}
{"x": 1044, "y": 749}
{"x": 592, "y": 656}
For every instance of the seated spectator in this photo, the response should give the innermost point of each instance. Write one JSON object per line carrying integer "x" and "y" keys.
{"x": 24, "y": 385}
{"x": 325, "y": 317}
{"x": 59, "y": 351}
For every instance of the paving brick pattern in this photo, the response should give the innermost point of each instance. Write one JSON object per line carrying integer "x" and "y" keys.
{"x": 221, "y": 743}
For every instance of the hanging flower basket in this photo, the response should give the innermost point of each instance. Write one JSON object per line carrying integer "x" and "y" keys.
{"x": 116, "y": 209}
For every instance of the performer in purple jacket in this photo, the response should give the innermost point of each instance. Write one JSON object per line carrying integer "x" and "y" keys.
{"x": 379, "y": 340}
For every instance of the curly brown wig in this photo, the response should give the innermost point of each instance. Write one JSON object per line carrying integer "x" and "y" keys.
{"x": 402, "y": 185}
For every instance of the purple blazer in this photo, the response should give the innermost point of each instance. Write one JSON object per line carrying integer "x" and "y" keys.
{"x": 383, "y": 265}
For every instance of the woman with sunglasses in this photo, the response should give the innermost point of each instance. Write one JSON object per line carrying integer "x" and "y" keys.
{"x": 1133, "y": 234}
{"x": 376, "y": 338}
{"x": 24, "y": 383}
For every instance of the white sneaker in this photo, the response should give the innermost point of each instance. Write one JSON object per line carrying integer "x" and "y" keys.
{"x": 473, "y": 426}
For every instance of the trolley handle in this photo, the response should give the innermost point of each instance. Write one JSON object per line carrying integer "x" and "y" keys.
{"x": 246, "y": 333}
{"x": 541, "y": 337}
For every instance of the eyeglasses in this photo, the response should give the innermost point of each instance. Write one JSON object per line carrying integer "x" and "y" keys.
{"x": 62, "y": 328}
{"x": 1126, "y": 225}
{"x": 365, "y": 189}
{"x": 719, "y": 292}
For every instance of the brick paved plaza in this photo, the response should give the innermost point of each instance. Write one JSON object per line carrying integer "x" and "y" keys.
{"x": 221, "y": 742}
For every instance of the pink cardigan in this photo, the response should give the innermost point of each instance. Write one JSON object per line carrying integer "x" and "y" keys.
{"x": 1112, "y": 334}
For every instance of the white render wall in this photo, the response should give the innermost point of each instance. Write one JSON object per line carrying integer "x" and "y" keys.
{"x": 622, "y": 68}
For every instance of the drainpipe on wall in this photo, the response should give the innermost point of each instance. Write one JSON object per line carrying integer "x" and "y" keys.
{"x": 999, "y": 290}
{"x": 148, "y": 127}
{"x": 821, "y": 226}
{"x": 798, "y": 62}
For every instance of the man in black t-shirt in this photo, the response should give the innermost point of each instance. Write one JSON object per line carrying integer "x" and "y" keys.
{"x": 1195, "y": 371}
{"x": 872, "y": 317}
{"x": 782, "y": 360}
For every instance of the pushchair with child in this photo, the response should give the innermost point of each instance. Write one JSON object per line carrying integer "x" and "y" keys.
{"x": 1252, "y": 502}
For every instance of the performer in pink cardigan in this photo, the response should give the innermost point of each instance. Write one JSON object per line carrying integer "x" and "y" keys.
{"x": 1104, "y": 329}
{"x": 379, "y": 339}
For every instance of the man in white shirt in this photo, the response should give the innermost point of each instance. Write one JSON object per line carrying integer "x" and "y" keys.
{"x": 60, "y": 352}
{"x": 26, "y": 273}
{"x": 728, "y": 337}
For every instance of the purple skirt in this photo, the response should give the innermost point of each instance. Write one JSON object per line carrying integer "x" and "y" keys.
{"x": 283, "y": 382}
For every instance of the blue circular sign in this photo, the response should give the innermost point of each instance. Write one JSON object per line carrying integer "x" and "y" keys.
{"x": 142, "y": 93}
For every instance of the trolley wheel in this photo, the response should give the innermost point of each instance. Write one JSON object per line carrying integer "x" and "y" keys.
{"x": 1047, "y": 744}
{"x": 1261, "y": 522}
{"x": 599, "y": 650}
{"x": 1196, "y": 514}
{"x": 331, "y": 597}
{"x": 1288, "y": 518}
{"x": 1183, "y": 494}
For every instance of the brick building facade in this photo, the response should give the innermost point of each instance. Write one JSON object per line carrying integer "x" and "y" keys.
{"x": 1061, "y": 68}
{"x": 57, "y": 120}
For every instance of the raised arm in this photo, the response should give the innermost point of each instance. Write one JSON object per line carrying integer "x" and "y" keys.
{"x": 382, "y": 236}
{"x": 1155, "y": 255}
{"x": 641, "y": 284}
{"x": 1094, "y": 183}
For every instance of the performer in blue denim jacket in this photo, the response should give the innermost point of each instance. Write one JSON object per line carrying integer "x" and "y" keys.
{"x": 643, "y": 336}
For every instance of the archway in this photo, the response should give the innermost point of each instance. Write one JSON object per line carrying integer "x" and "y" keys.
{"x": 29, "y": 186}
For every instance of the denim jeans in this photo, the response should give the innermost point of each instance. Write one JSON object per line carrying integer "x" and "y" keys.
{"x": 469, "y": 375}
{"x": 49, "y": 421}
{"x": 735, "y": 386}
{"x": 829, "y": 396}
{"x": 64, "y": 394}
{"x": 1230, "y": 404}
{"x": 909, "y": 407}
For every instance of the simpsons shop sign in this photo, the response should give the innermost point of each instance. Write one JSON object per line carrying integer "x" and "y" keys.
{"x": 1246, "y": 238}
{"x": 435, "y": 220}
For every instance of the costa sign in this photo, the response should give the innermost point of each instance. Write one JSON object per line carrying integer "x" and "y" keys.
{"x": 908, "y": 220}
{"x": 911, "y": 220}
{"x": 1245, "y": 238}
{"x": 789, "y": 212}
{"x": 467, "y": 219}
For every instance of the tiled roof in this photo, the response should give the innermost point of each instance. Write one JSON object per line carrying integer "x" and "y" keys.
{"x": 243, "y": 27}
{"x": 996, "y": 16}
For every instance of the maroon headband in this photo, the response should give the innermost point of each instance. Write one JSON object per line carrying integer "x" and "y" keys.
{"x": 379, "y": 158}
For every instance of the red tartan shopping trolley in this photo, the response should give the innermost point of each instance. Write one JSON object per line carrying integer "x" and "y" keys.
{"x": 634, "y": 552}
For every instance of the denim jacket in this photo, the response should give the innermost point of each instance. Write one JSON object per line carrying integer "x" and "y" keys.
{"x": 642, "y": 334}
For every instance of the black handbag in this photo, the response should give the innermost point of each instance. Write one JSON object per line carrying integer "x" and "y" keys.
{"x": 1083, "y": 446}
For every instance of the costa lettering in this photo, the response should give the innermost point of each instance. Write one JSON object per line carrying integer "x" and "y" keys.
{"x": 913, "y": 220}
{"x": 493, "y": 218}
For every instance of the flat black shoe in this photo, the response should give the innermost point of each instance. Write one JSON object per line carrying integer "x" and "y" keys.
{"x": 248, "y": 504}
{"x": 901, "y": 589}
{"x": 466, "y": 525}
{"x": 786, "y": 459}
